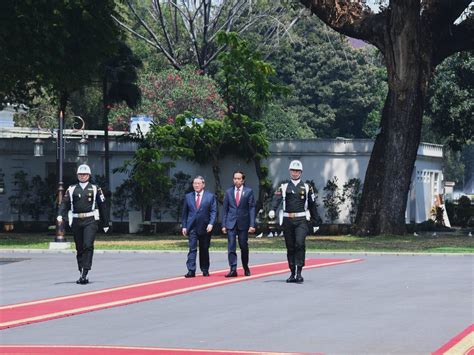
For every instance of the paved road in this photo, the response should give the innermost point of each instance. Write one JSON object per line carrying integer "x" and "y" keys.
{"x": 386, "y": 304}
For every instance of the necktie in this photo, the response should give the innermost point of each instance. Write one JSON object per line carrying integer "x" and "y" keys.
{"x": 198, "y": 200}
{"x": 237, "y": 197}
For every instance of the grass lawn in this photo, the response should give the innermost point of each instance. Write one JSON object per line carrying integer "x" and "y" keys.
{"x": 442, "y": 243}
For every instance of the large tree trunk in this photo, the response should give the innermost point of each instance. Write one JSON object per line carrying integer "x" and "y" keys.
{"x": 388, "y": 176}
{"x": 414, "y": 36}
{"x": 408, "y": 59}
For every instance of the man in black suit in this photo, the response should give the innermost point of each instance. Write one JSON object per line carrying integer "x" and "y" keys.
{"x": 238, "y": 220}
{"x": 199, "y": 216}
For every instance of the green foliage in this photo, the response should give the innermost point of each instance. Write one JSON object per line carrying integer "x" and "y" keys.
{"x": 283, "y": 124}
{"x": 34, "y": 197}
{"x": 436, "y": 214}
{"x": 54, "y": 44}
{"x": 244, "y": 77}
{"x": 149, "y": 178}
{"x": 464, "y": 211}
{"x": 42, "y": 112}
{"x": 451, "y": 103}
{"x": 123, "y": 199}
{"x": 247, "y": 138}
{"x": 453, "y": 167}
{"x": 335, "y": 89}
{"x": 169, "y": 93}
{"x": 181, "y": 184}
{"x": 352, "y": 192}
{"x": 206, "y": 141}
{"x": 332, "y": 200}
{"x": 20, "y": 202}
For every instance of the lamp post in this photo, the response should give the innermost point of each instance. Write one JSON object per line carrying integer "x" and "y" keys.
{"x": 82, "y": 152}
{"x": 60, "y": 160}
{"x": 82, "y": 149}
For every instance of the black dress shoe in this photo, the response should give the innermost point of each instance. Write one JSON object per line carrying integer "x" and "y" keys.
{"x": 83, "y": 279}
{"x": 205, "y": 274}
{"x": 232, "y": 273}
{"x": 299, "y": 279}
{"x": 291, "y": 279}
{"x": 190, "y": 274}
{"x": 247, "y": 271}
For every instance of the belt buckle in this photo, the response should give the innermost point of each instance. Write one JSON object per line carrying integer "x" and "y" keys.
{"x": 291, "y": 214}
{"x": 82, "y": 215}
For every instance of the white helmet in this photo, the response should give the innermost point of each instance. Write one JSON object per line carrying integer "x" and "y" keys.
{"x": 84, "y": 169}
{"x": 296, "y": 165}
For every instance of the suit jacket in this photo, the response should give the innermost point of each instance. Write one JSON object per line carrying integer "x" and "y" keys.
{"x": 198, "y": 219}
{"x": 241, "y": 216}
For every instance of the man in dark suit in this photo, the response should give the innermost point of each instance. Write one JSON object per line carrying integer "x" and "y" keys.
{"x": 199, "y": 216}
{"x": 238, "y": 220}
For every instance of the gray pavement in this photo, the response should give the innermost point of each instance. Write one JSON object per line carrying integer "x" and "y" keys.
{"x": 387, "y": 304}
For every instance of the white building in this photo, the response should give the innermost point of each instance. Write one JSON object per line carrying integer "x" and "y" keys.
{"x": 323, "y": 159}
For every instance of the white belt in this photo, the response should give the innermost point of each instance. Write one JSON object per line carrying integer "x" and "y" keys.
{"x": 83, "y": 215}
{"x": 294, "y": 214}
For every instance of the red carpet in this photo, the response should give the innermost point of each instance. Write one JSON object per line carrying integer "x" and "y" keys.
{"x": 461, "y": 344}
{"x": 119, "y": 350}
{"x": 46, "y": 309}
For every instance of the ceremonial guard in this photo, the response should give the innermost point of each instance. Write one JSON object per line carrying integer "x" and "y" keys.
{"x": 84, "y": 206}
{"x": 298, "y": 211}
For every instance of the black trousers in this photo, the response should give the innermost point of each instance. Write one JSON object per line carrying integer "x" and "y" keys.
{"x": 84, "y": 231}
{"x": 204, "y": 241}
{"x": 295, "y": 231}
{"x": 242, "y": 236}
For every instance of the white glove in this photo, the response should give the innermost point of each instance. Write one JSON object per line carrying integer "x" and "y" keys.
{"x": 315, "y": 229}
{"x": 59, "y": 218}
{"x": 271, "y": 214}
{"x": 106, "y": 229}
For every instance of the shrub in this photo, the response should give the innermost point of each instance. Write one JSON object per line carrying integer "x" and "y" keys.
{"x": 332, "y": 200}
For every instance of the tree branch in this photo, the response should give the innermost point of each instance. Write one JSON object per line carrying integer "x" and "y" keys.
{"x": 459, "y": 38}
{"x": 157, "y": 7}
{"x": 350, "y": 17}
{"x": 444, "y": 11}
{"x": 157, "y": 45}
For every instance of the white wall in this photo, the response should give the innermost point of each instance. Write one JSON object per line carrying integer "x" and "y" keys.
{"x": 322, "y": 160}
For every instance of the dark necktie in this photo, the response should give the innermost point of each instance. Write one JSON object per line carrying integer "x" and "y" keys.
{"x": 198, "y": 200}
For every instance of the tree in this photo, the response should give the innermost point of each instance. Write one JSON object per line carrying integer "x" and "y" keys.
{"x": 185, "y": 31}
{"x": 20, "y": 202}
{"x": 451, "y": 100}
{"x": 206, "y": 140}
{"x": 336, "y": 90}
{"x": 119, "y": 76}
{"x": 247, "y": 90}
{"x": 148, "y": 173}
{"x": 169, "y": 93}
{"x": 55, "y": 45}
{"x": 414, "y": 37}
{"x": 181, "y": 184}
{"x": 280, "y": 123}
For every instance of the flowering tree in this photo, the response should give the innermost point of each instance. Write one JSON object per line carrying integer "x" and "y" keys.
{"x": 169, "y": 93}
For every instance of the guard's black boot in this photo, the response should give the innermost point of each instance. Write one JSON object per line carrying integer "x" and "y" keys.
{"x": 291, "y": 279}
{"x": 83, "y": 279}
{"x": 299, "y": 279}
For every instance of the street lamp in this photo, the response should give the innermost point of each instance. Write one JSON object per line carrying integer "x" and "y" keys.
{"x": 38, "y": 147}
{"x": 82, "y": 152}
{"x": 82, "y": 149}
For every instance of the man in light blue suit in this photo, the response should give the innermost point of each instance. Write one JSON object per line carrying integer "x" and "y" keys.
{"x": 238, "y": 220}
{"x": 199, "y": 216}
